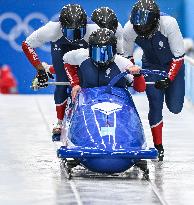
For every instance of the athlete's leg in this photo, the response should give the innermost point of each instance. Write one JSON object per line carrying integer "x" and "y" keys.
{"x": 156, "y": 99}
{"x": 60, "y": 95}
{"x": 174, "y": 95}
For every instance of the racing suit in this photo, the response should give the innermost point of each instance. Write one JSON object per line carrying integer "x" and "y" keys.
{"x": 162, "y": 51}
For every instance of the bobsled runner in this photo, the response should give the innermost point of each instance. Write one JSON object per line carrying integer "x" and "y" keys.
{"x": 104, "y": 133}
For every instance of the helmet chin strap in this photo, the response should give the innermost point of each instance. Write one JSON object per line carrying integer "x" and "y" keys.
{"x": 153, "y": 32}
{"x": 103, "y": 66}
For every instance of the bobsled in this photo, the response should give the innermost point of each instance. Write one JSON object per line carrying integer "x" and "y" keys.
{"x": 104, "y": 132}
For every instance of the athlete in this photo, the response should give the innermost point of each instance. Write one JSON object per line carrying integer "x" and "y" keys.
{"x": 160, "y": 38}
{"x": 69, "y": 33}
{"x": 105, "y": 17}
{"x": 99, "y": 64}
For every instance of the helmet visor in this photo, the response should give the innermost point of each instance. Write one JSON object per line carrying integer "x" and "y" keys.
{"x": 102, "y": 54}
{"x": 141, "y": 17}
{"x": 72, "y": 34}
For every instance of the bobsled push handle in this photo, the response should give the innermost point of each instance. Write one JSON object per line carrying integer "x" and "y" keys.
{"x": 35, "y": 86}
{"x": 153, "y": 72}
{"x": 142, "y": 71}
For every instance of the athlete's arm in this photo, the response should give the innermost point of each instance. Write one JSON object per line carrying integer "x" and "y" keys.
{"x": 50, "y": 32}
{"x": 119, "y": 35}
{"x": 73, "y": 59}
{"x": 76, "y": 57}
{"x": 176, "y": 43}
{"x": 138, "y": 80}
{"x": 171, "y": 29}
{"x": 129, "y": 37}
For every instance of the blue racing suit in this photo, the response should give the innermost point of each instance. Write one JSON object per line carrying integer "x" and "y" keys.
{"x": 162, "y": 51}
{"x": 58, "y": 49}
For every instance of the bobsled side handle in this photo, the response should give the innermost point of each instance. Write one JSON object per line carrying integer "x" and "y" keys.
{"x": 142, "y": 71}
{"x": 153, "y": 72}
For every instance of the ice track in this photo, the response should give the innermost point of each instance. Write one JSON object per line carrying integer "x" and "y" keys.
{"x": 30, "y": 172}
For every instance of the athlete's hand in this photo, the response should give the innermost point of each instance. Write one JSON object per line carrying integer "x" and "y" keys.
{"x": 162, "y": 84}
{"x": 42, "y": 78}
{"x": 35, "y": 86}
{"x": 139, "y": 83}
{"x": 47, "y": 69}
{"x": 133, "y": 69}
{"x": 74, "y": 92}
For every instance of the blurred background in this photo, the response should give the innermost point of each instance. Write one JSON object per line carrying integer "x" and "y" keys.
{"x": 18, "y": 19}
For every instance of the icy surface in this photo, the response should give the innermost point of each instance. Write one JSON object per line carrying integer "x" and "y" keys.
{"x": 30, "y": 172}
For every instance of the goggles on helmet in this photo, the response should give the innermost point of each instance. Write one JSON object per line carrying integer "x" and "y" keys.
{"x": 73, "y": 34}
{"x": 102, "y": 54}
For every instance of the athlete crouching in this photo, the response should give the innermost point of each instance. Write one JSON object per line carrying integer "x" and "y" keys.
{"x": 98, "y": 65}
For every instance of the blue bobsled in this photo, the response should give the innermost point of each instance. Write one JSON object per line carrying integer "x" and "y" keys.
{"x": 105, "y": 131}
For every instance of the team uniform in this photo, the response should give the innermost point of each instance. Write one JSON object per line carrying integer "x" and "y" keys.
{"x": 51, "y": 32}
{"x": 162, "y": 51}
{"x": 105, "y": 17}
{"x": 119, "y": 35}
{"x": 89, "y": 75}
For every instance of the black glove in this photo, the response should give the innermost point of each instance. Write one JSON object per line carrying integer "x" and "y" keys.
{"x": 162, "y": 84}
{"x": 42, "y": 77}
{"x": 137, "y": 75}
{"x": 50, "y": 75}
{"x": 129, "y": 84}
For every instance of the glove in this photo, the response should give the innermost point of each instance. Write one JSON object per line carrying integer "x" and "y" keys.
{"x": 139, "y": 84}
{"x": 47, "y": 69}
{"x": 129, "y": 84}
{"x": 162, "y": 84}
{"x": 42, "y": 77}
{"x": 50, "y": 75}
{"x": 137, "y": 75}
